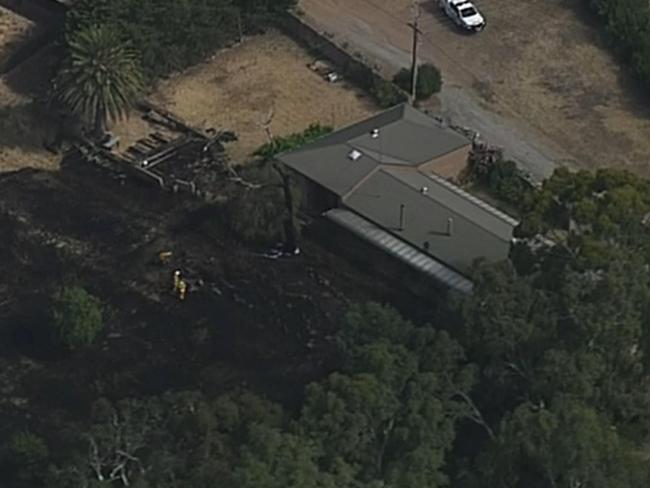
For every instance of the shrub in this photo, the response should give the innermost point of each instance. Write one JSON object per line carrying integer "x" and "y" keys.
{"x": 506, "y": 183}
{"x": 429, "y": 81}
{"x": 77, "y": 317}
{"x": 292, "y": 141}
{"x": 387, "y": 94}
{"x": 501, "y": 178}
{"x": 627, "y": 24}
{"x": 27, "y": 456}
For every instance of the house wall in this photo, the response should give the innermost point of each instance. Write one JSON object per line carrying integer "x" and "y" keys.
{"x": 373, "y": 261}
{"x": 449, "y": 165}
{"x": 314, "y": 198}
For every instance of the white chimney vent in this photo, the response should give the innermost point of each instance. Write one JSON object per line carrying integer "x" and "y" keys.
{"x": 450, "y": 226}
{"x": 354, "y": 155}
{"x": 424, "y": 190}
{"x": 374, "y": 133}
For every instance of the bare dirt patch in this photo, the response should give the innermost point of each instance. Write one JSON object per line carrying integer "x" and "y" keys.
{"x": 540, "y": 63}
{"x": 238, "y": 88}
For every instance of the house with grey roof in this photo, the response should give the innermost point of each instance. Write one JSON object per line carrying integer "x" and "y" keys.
{"x": 387, "y": 180}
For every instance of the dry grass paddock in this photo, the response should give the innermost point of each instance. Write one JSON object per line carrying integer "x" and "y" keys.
{"x": 238, "y": 88}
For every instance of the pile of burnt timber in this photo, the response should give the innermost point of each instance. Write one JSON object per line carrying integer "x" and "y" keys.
{"x": 183, "y": 163}
{"x": 160, "y": 116}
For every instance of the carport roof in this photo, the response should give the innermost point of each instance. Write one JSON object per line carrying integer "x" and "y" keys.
{"x": 404, "y": 137}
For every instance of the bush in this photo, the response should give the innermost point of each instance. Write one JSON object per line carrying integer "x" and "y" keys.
{"x": 77, "y": 317}
{"x": 292, "y": 141}
{"x": 501, "y": 178}
{"x": 627, "y": 24}
{"x": 27, "y": 457}
{"x": 387, "y": 94}
{"x": 429, "y": 81}
{"x": 506, "y": 183}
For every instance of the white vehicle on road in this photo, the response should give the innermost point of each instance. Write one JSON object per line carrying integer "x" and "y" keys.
{"x": 464, "y": 14}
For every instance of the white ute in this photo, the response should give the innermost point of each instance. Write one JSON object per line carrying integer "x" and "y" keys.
{"x": 464, "y": 14}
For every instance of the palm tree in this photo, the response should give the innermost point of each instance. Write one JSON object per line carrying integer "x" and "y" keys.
{"x": 101, "y": 77}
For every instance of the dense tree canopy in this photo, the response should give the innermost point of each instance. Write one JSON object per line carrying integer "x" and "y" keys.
{"x": 171, "y": 34}
{"x": 556, "y": 385}
{"x": 627, "y": 24}
{"x": 390, "y": 414}
{"x": 565, "y": 445}
{"x": 561, "y": 343}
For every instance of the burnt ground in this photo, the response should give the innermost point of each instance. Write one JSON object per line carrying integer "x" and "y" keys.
{"x": 266, "y": 323}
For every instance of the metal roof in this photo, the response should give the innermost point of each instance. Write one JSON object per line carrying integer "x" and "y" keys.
{"x": 331, "y": 166}
{"x": 434, "y": 216}
{"x": 409, "y": 143}
{"x": 374, "y": 166}
{"x": 398, "y": 248}
{"x": 404, "y": 136}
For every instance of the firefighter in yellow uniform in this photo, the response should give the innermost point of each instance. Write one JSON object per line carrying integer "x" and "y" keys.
{"x": 176, "y": 280}
{"x": 182, "y": 289}
{"x": 179, "y": 285}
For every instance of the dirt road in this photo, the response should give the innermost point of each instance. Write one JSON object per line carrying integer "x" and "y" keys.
{"x": 551, "y": 95}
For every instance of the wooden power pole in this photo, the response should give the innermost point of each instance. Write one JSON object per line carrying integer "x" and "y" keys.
{"x": 414, "y": 53}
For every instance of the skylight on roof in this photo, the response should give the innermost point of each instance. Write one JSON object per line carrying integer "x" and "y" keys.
{"x": 354, "y": 155}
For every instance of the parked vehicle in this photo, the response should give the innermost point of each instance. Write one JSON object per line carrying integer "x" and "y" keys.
{"x": 464, "y": 14}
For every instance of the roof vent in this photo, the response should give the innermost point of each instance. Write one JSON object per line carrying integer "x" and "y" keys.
{"x": 354, "y": 155}
{"x": 424, "y": 190}
{"x": 374, "y": 133}
{"x": 450, "y": 226}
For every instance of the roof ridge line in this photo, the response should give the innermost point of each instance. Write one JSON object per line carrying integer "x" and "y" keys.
{"x": 373, "y": 152}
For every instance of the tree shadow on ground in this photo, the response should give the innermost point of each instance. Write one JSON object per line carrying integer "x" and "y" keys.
{"x": 31, "y": 77}
{"x": 25, "y": 125}
{"x": 30, "y": 330}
